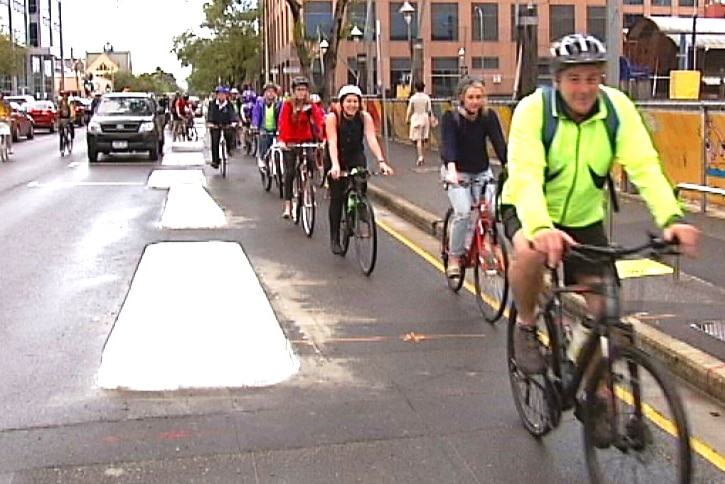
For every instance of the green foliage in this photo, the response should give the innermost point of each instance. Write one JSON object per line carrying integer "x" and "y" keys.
{"x": 11, "y": 56}
{"x": 229, "y": 53}
{"x": 157, "y": 81}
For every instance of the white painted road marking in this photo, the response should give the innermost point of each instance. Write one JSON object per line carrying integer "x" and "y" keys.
{"x": 37, "y": 184}
{"x": 195, "y": 317}
{"x": 189, "y": 206}
{"x": 184, "y": 159}
{"x": 165, "y": 179}
{"x": 187, "y": 146}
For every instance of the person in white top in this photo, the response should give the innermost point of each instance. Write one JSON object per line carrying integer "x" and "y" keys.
{"x": 419, "y": 117}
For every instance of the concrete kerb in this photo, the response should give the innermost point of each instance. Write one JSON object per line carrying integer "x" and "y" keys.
{"x": 699, "y": 369}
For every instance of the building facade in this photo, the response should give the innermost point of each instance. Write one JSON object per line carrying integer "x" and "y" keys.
{"x": 37, "y": 26}
{"x": 467, "y": 36}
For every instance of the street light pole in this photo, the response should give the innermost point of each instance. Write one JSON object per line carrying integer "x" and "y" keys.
{"x": 407, "y": 11}
{"x": 462, "y": 68}
{"x": 356, "y": 35}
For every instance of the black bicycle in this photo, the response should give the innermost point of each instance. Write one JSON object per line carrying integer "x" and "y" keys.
{"x": 358, "y": 221}
{"x": 303, "y": 189}
{"x": 635, "y": 427}
{"x": 66, "y": 140}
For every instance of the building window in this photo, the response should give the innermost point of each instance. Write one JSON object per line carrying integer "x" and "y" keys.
{"x": 687, "y": 3}
{"x": 445, "y": 76}
{"x": 661, "y": 3}
{"x": 398, "y": 27}
{"x": 444, "y": 21}
{"x": 318, "y": 19}
{"x": 561, "y": 21}
{"x": 357, "y": 14}
{"x": 33, "y": 34}
{"x": 485, "y": 63}
{"x": 521, "y": 11}
{"x": 32, "y": 6}
{"x": 597, "y": 22}
{"x": 399, "y": 71}
{"x": 629, "y": 19}
{"x": 634, "y": 2}
{"x": 484, "y": 19}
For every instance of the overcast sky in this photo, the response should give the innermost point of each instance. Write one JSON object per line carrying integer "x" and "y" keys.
{"x": 143, "y": 27}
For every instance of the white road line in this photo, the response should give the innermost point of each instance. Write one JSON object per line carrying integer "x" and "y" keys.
{"x": 37, "y": 184}
{"x": 189, "y": 206}
{"x": 187, "y": 146}
{"x": 195, "y": 158}
{"x": 195, "y": 317}
{"x": 165, "y": 179}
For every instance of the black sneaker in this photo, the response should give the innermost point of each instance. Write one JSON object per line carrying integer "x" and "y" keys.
{"x": 215, "y": 166}
{"x": 526, "y": 348}
{"x": 336, "y": 247}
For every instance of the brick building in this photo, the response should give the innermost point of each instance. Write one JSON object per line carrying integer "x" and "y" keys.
{"x": 465, "y": 36}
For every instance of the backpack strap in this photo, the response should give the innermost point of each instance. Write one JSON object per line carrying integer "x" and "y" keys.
{"x": 550, "y": 122}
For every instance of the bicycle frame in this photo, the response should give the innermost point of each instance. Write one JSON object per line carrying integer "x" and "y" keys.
{"x": 482, "y": 223}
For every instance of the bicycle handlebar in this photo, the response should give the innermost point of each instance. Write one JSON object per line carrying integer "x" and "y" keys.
{"x": 303, "y": 145}
{"x": 593, "y": 253}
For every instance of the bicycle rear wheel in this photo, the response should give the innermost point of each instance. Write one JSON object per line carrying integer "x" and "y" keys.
{"x": 296, "y": 199}
{"x": 490, "y": 275}
{"x": 265, "y": 174}
{"x": 365, "y": 236}
{"x": 534, "y": 395}
{"x": 629, "y": 439}
{"x": 307, "y": 200}
{"x": 454, "y": 283}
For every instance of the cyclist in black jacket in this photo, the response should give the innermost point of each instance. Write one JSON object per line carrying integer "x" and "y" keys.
{"x": 221, "y": 115}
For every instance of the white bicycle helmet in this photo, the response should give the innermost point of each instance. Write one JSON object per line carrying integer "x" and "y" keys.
{"x": 577, "y": 49}
{"x": 349, "y": 89}
{"x": 315, "y": 98}
{"x": 234, "y": 90}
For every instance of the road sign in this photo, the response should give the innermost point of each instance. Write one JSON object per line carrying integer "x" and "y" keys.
{"x": 291, "y": 70}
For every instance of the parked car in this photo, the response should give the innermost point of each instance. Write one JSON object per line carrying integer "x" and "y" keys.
{"x": 126, "y": 122}
{"x": 82, "y": 108}
{"x": 21, "y": 124}
{"x": 21, "y": 99}
{"x": 44, "y": 113}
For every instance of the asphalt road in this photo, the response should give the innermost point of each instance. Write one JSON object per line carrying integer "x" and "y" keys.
{"x": 400, "y": 381}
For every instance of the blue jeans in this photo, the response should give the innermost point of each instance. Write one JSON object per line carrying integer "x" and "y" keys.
{"x": 265, "y": 142}
{"x": 463, "y": 199}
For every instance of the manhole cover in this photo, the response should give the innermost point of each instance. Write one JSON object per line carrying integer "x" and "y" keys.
{"x": 716, "y": 329}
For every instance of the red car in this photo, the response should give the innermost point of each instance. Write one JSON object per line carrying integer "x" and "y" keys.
{"x": 21, "y": 123}
{"x": 44, "y": 114}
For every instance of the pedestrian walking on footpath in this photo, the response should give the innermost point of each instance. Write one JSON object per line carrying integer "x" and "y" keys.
{"x": 420, "y": 118}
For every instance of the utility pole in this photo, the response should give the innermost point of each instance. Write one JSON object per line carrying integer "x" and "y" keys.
{"x": 418, "y": 58}
{"x": 62, "y": 56}
{"x": 265, "y": 41}
{"x": 369, "y": 45}
{"x": 527, "y": 47}
{"x": 614, "y": 42}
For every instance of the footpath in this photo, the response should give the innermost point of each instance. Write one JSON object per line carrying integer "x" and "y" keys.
{"x": 679, "y": 319}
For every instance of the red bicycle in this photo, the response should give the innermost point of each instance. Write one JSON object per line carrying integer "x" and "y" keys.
{"x": 487, "y": 255}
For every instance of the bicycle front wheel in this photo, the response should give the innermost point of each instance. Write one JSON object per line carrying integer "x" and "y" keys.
{"x": 454, "y": 283}
{"x": 490, "y": 275}
{"x": 635, "y": 428}
{"x": 265, "y": 175}
{"x": 4, "y": 149}
{"x": 308, "y": 206}
{"x": 365, "y": 236}
{"x": 534, "y": 396}
{"x": 223, "y": 158}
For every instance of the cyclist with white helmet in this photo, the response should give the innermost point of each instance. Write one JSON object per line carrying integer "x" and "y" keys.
{"x": 346, "y": 127}
{"x": 554, "y": 197}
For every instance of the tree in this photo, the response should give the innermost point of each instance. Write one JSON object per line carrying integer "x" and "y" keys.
{"x": 157, "y": 81}
{"x": 230, "y": 53}
{"x": 12, "y": 56}
{"x": 305, "y": 47}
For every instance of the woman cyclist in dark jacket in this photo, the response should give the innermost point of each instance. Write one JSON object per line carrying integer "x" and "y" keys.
{"x": 345, "y": 127}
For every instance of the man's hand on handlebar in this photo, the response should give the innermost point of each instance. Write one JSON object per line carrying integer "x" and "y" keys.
{"x": 686, "y": 235}
{"x": 552, "y": 243}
